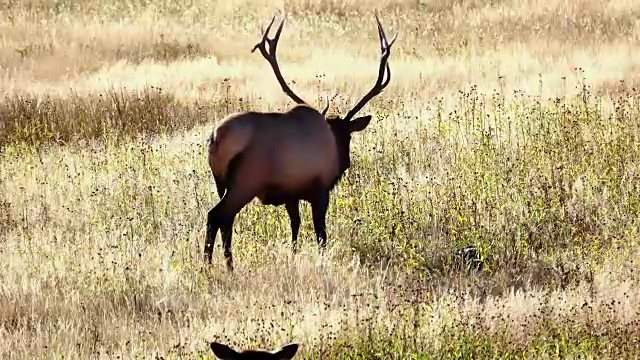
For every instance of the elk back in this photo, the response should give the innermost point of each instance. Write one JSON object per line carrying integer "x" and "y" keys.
{"x": 282, "y": 153}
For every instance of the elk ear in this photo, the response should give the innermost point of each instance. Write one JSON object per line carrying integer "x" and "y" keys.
{"x": 287, "y": 352}
{"x": 223, "y": 352}
{"x": 359, "y": 124}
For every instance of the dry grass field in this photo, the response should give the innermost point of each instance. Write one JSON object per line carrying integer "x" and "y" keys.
{"x": 509, "y": 125}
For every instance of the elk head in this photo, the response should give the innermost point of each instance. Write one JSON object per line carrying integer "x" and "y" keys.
{"x": 342, "y": 127}
{"x": 224, "y": 352}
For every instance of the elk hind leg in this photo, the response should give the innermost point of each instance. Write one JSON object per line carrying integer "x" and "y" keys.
{"x": 221, "y": 187}
{"x": 221, "y": 217}
{"x": 212, "y": 226}
{"x": 212, "y": 231}
{"x": 227, "y": 231}
{"x": 216, "y": 218}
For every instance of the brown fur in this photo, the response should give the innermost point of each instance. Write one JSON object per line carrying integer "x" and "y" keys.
{"x": 284, "y": 151}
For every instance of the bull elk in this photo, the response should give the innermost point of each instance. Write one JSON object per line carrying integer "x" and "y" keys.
{"x": 283, "y": 157}
{"x": 224, "y": 352}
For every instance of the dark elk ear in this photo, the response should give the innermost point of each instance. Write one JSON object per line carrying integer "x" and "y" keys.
{"x": 359, "y": 124}
{"x": 287, "y": 352}
{"x": 223, "y": 351}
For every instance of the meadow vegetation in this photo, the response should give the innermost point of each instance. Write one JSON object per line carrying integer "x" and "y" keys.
{"x": 508, "y": 125}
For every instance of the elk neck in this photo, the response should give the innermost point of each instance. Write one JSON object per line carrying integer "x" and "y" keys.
{"x": 342, "y": 136}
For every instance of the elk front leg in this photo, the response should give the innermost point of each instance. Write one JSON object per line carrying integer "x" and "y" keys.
{"x": 319, "y": 212}
{"x": 293, "y": 210}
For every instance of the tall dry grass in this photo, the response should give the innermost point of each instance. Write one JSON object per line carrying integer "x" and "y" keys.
{"x": 508, "y": 125}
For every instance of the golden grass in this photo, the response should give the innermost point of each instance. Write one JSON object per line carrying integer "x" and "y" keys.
{"x": 105, "y": 187}
{"x": 437, "y": 52}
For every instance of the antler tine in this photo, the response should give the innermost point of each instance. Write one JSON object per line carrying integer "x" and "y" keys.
{"x": 384, "y": 43}
{"x": 382, "y": 81}
{"x": 264, "y": 39}
{"x": 270, "y": 56}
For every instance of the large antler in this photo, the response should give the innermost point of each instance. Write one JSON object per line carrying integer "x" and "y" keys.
{"x": 270, "y": 56}
{"x": 381, "y": 83}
